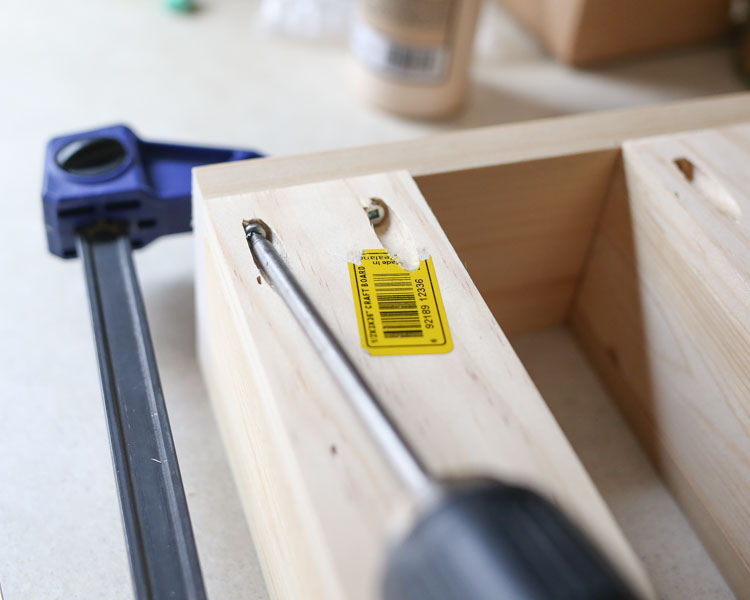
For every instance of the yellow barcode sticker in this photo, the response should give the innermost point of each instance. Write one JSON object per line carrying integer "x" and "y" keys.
{"x": 398, "y": 311}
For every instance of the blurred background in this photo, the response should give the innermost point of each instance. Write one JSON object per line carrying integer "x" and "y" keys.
{"x": 281, "y": 77}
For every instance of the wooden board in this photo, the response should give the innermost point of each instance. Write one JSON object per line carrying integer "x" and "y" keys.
{"x": 664, "y": 312}
{"x": 585, "y": 32}
{"x": 547, "y": 178}
{"x": 320, "y": 501}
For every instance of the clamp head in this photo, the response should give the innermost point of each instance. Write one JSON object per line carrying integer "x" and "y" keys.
{"x": 109, "y": 176}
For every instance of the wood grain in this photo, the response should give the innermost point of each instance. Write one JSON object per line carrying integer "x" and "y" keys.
{"x": 664, "y": 313}
{"x": 321, "y": 503}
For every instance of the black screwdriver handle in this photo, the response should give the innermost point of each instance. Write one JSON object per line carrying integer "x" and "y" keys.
{"x": 491, "y": 541}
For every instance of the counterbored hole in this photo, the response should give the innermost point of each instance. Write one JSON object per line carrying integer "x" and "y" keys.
{"x": 392, "y": 232}
{"x": 687, "y": 168}
{"x": 710, "y": 188}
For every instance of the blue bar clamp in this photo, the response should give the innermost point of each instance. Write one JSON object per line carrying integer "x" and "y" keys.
{"x": 106, "y": 192}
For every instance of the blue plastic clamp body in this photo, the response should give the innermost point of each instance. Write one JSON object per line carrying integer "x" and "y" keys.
{"x": 148, "y": 191}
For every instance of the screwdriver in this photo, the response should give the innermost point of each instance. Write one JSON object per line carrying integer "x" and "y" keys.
{"x": 474, "y": 539}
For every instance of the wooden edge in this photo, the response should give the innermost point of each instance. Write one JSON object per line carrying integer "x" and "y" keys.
{"x": 478, "y": 147}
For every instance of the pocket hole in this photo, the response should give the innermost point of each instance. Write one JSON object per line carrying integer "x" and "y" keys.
{"x": 708, "y": 186}
{"x": 686, "y": 167}
{"x": 393, "y": 234}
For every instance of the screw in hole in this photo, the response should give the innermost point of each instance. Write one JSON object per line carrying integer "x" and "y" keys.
{"x": 252, "y": 226}
{"x": 376, "y": 210}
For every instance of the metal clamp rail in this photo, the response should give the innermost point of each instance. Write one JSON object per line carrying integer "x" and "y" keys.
{"x": 159, "y": 538}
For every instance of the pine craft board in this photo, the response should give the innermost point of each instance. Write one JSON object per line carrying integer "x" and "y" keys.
{"x": 664, "y": 313}
{"x": 319, "y": 499}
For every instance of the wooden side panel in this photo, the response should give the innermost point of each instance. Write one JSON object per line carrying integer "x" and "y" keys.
{"x": 321, "y": 503}
{"x": 664, "y": 313}
{"x": 523, "y": 230}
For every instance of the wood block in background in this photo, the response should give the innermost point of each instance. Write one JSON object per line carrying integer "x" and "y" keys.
{"x": 585, "y": 32}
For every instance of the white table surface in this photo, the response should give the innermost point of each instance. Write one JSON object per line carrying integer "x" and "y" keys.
{"x": 213, "y": 78}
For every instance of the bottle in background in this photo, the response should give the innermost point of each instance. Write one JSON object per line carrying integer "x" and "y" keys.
{"x": 412, "y": 56}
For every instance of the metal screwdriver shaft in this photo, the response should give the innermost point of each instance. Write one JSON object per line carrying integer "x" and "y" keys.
{"x": 383, "y": 430}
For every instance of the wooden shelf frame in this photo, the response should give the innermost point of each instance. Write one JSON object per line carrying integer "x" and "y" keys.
{"x": 526, "y": 208}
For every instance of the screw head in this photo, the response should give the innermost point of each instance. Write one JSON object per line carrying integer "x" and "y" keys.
{"x": 376, "y": 211}
{"x": 255, "y": 226}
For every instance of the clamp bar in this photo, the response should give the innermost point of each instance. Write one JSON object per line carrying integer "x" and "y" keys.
{"x": 161, "y": 547}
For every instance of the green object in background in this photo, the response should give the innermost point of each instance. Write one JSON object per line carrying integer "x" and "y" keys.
{"x": 181, "y": 5}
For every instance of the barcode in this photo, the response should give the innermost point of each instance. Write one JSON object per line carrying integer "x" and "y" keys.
{"x": 397, "y": 305}
{"x": 380, "y": 52}
{"x": 412, "y": 59}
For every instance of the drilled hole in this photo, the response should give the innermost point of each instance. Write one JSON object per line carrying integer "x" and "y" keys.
{"x": 687, "y": 168}
{"x": 377, "y": 211}
{"x": 392, "y": 233}
{"x": 710, "y": 188}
